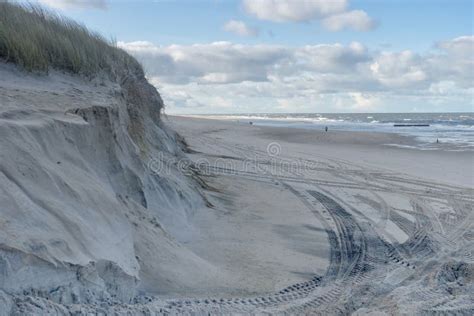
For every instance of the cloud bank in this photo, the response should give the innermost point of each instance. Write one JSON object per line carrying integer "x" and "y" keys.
{"x": 228, "y": 77}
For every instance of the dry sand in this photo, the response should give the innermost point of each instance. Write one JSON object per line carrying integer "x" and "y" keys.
{"x": 358, "y": 226}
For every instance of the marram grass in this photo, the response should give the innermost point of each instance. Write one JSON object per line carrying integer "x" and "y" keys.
{"x": 38, "y": 40}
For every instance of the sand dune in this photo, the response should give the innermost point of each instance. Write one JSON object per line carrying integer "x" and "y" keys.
{"x": 82, "y": 218}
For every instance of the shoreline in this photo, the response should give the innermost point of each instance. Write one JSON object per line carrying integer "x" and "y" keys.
{"x": 430, "y": 137}
{"x": 380, "y": 150}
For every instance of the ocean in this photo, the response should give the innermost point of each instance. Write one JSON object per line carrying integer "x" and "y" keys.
{"x": 454, "y": 131}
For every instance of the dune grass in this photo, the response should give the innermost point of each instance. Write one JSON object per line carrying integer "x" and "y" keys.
{"x": 37, "y": 39}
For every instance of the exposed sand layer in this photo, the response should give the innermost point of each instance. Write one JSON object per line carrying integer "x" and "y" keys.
{"x": 82, "y": 218}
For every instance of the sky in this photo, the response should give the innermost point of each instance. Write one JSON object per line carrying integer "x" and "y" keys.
{"x": 268, "y": 56}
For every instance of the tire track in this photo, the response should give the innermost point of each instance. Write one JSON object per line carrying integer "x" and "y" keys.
{"x": 359, "y": 257}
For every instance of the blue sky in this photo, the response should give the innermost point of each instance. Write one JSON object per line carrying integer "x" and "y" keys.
{"x": 376, "y": 41}
{"x": 403, "y": 24}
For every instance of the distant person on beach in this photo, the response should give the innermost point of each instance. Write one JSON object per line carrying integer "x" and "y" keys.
{"x": 326, "y": 128}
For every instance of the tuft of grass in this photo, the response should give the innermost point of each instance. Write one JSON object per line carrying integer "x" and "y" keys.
{"x": 38, "y": 39}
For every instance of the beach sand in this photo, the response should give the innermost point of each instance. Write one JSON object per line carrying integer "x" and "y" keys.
{"x": 101, "y": 215}
{"x": 341, "y": 214}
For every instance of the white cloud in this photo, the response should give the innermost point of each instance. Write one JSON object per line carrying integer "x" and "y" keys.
{"x": 293, "y": 10}
{"x": 333, "y": 14}
{"x": 462, "y": 46}
{"x": 330, "y": 58}
{"x": 76, "y": 4}
{"x": 228, "y": 77}
{"x": 357, "y": 20}
{"x": 218, "y": 62}
{"x": 225, "y": 62}
{"x": 443, "y": 88}
{"x": 364, "y": 102}
{"x": 455, "y": 62}
{"x": 240, "y": 28}
{"x": 403, "y": 69}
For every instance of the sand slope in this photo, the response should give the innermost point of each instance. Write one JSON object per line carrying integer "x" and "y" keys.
{"x": 82, "y": 218}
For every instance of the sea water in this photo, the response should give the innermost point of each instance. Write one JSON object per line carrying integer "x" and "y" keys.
{"x": 453, "y": 131}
